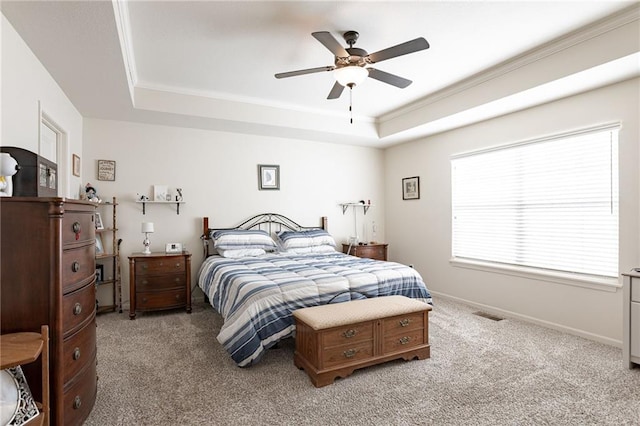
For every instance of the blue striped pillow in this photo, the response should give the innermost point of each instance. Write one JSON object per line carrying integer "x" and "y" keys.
{"x": 303, "y": 240}
{"x": 236, "y": 239}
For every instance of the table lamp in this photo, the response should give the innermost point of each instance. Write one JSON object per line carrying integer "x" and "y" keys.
{"x": 147, "y": 228}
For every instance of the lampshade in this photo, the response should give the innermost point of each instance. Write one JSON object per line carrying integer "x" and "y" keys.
{"x": 147, "y": 227}
{"x": 351, "y": 74}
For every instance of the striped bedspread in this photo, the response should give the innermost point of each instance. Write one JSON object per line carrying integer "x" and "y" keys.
{"x": 256, "y": 295}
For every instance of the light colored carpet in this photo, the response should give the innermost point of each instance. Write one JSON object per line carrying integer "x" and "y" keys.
{"x": 168, "y": 369}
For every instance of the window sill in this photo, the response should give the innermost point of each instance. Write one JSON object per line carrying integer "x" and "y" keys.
{"x": 566, "y": 278}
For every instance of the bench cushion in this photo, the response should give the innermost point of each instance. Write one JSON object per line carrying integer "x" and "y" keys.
{"x": 355, "y": 311}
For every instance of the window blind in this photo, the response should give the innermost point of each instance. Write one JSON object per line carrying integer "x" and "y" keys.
{"x": 549, "y": 203}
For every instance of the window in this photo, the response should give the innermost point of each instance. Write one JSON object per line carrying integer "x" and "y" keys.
{"x": 550, "y": 203}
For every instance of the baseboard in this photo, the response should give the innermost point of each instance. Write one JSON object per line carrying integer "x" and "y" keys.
{"x": 548, "y": 324}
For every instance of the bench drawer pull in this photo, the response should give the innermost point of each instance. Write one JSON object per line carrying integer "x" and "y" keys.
{"x": 404, "y": 340}
{"x": 404, "y": 322}
{"x": 350, "y": 353}
{"x": 349, "y": 333}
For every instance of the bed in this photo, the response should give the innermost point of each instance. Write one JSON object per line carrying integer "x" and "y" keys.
{"x": 257, "y": 273}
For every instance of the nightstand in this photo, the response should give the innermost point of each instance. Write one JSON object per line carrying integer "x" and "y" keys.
{"x": 372, "y": 251}
{"x": 159, "y": 281}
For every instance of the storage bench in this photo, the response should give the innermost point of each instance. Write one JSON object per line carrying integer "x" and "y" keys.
{"x": 333, "y": 340}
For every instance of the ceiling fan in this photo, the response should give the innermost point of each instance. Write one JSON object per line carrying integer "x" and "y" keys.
{"x": 351, "y": 63}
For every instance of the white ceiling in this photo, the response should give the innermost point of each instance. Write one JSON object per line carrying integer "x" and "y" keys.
{"x": 211, "y": 64}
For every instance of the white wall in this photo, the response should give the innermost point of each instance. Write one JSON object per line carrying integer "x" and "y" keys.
{"x": 28, "y": 88}
{"x": 427, "y": 242}
{"x": 219, "y": 176}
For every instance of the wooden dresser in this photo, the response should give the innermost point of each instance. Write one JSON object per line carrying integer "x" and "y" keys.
{"x": 48, "y": 278}
{"x": 159, "y": 281}
{"x": 372, "y": 251}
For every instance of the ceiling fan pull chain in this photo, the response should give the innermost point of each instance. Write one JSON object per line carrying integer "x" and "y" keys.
{"x": 351, "y": 103}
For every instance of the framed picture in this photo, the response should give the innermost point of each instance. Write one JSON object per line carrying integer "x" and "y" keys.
{"x": 99, "y": 247}
{"x": 75, "y": 165}
{"x": 99, "y": 224}
{"x": 106, "y": 170}
{"x": 99, "y": 273}
{"x": 268, "y": 177}
{"x": 411, "y": 188}
{"x": 161, "y": 193}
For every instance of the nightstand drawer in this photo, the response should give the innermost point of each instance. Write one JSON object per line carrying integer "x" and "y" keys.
{"x": 371, "y": 251}
{"x": 164, "y": 265}
{"x": 161, "y": 299}
{"x": 160, "y": 282}
{"x": 635, "y": 290}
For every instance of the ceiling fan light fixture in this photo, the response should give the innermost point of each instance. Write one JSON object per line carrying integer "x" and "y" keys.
{"x": 351, "y": 75}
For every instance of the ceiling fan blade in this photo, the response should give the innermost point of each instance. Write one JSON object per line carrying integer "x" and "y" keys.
{"x": 388, "y": 78}
{"x": 336, "y": 91}
{"x": 399, "y": 50}
{"x": 307, "y": 71}
{"x": 330, "y": 43}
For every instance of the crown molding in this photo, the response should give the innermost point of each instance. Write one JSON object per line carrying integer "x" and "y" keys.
{"x": 576, "y": 37}
{"x": 123, "y": 26}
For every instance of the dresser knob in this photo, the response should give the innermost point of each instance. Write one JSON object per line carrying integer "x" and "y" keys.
{"x": 76, "y": 228}
{"x": 144, "y": 266}
{"x": 76, "y": 354}
{"x": 145, "y": 282}
{"x": 77, "y": 402}
{"x": 177, "y": 297}
{"x": 75, "y": 266}
{"x": 177, "y": 279}
{"x": 178, "y": 265}
{"x": 77, "y": 308}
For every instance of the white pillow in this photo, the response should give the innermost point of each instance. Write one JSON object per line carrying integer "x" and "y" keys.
{"x": 236, "y": 253}
{"x": 295, "y": 240}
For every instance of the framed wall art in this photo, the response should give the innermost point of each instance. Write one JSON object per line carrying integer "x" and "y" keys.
{"x": 268, "y": 176}
{"x": 106, "y": 170}
{"x": 75, "y": 165}
{"x": 411, "y": 188}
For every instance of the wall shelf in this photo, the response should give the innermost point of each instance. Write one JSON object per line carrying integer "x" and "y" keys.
{"x": 144, "y": 203}
{"x": 345, "y": 206}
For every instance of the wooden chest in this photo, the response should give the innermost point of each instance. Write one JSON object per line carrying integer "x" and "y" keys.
{"x": 48, "y": 278}
{"x": 159, "y": 281}
{"x": 334, "y": 340}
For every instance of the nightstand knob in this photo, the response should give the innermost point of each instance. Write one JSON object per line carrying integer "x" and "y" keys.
{"x": 76, "y": 354}
{"x": 178, "y": 265}
{"x": 77, "y": 308}
{"x": 177, "y": 297}
{"x": 177, "y": 279}
{"x": 77, "y": 402}
{"x": 145, "y": 282}
{"x": 75, "y": 266}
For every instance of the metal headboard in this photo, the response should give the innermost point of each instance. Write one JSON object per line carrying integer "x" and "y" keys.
{"x": 269, "y": 222}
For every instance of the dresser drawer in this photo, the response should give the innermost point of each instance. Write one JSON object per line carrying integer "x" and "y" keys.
{"x": 79, "y": 349}
{"x": 635, "y": 290}
{"x": 164, "y": 265}
{"x": 78, "y": 265}
{"x": 80, "y": 397}
{"x": 341, "y": 355}
{"x": 161, "y": 299}
{"x": 403, "y": 323}
{"x": 402, "y": 342}
{"x": 77, "y": 307}
{"x": 635, "y": 330}
{"x": 78, "y": 227}
{"x": 347, "y": 335}
{"x": 160, "y": 282}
